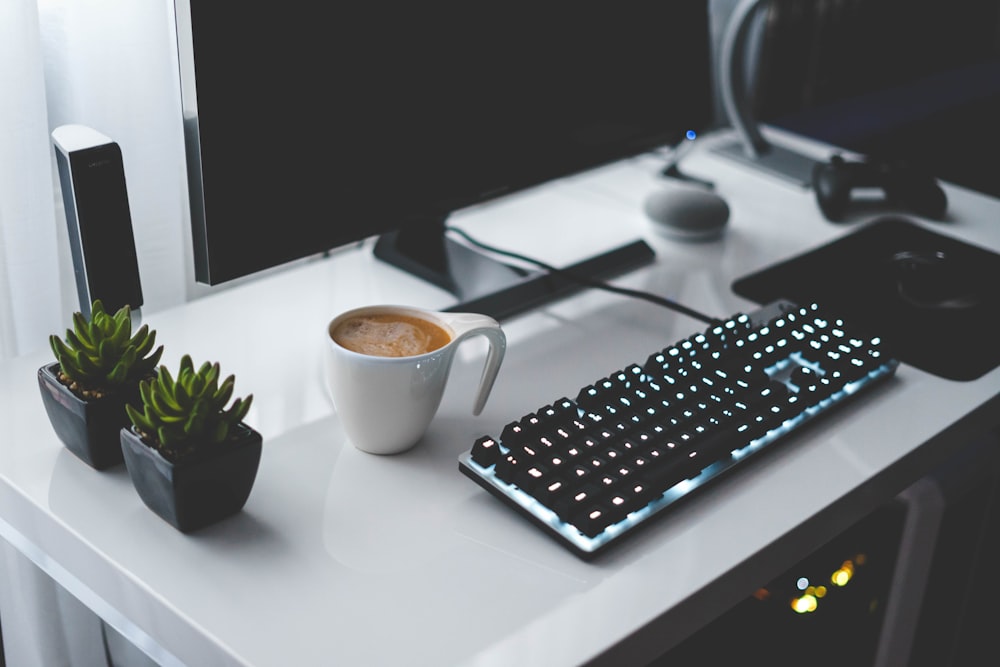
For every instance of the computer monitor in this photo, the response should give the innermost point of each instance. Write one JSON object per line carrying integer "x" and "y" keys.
{"x": 308, "y": 127}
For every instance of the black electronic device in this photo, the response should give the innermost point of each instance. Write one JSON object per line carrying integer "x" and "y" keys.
{"x": 590, "y": 469}
{"x": 98, "y": 218}
{"x": 838, "y": 181}
{"x": 935, "y": 298}
{"x": 936, "y": 279}
{"x": 687, "y": 212}
{"x": 318, "y": 127}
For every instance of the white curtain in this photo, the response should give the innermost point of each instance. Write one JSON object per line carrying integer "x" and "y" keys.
{"x": 31, "y": 298}
{"x": 109, "y": 64}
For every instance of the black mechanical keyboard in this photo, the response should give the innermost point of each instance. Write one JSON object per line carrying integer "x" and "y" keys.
{"x": 591, "y": 469}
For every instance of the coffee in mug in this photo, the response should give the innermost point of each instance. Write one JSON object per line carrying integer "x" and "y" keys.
{"x": 389, "y": 334}
{"x": 387, "y": 367}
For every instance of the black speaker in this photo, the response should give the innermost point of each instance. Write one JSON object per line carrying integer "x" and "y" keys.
{"x": 98, "y": 218}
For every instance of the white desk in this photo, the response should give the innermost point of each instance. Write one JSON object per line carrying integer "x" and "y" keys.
{"x": 342, "y": 558}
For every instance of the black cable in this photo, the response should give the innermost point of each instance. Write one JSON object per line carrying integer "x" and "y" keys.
{"x": 673, "y": 171}
{"x": 672, "y": 168}
{"x": 590, "y": 282}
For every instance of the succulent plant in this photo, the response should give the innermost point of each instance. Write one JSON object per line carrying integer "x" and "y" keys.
{"x": 102, "y": 355}
{"x": 187, "y": 413}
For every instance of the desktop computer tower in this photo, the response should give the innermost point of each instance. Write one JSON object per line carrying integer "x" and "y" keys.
{"x": 909, "y": 585}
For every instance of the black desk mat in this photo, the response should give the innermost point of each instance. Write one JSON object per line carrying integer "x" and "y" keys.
{"x": 855, "y": 276}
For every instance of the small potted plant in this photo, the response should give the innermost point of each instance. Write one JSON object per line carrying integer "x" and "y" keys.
{"x": 96, "y": 373}
{"x": 191, "y": 458}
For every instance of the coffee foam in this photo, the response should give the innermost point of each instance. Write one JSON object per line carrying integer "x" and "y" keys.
{"x": 378, "y": 336}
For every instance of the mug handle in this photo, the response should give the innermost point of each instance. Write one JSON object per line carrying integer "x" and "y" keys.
{"x": 466, "y": 325}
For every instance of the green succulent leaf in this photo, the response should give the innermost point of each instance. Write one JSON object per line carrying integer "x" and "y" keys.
{"x": 143, "y": 340}
{"x": 118, "y": 374}
{"x": 225, "y": 392}
{"x": 164, "y": 403}
{"x": 123, "y": 317}
{"x": 139, "y": 419}
{"x": 212, "y": 373}
{"x": 59, "y": 348}
{"x": 74, "y": 341}
{"x": 107, "y": 352}
{"x": 163, "y": 434}
{"x": 182, "y": 393}
{"x": 85, "y": 364}
{"x": 120, "y": 335}
{"x": 195, "y": 384}
{"x": 165, "y": 380}
{"x": 82, "y": 332}
{"x": 144, "y": 366}
{"x": 240, "y": 408}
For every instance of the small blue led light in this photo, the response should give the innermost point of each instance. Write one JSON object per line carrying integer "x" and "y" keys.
{"x": 690, "y": 135}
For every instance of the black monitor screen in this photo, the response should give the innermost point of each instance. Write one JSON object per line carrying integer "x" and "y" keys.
{"x": 309, "y": 126}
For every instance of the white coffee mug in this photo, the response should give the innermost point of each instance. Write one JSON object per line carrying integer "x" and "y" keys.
{"x": 386, "y": 403}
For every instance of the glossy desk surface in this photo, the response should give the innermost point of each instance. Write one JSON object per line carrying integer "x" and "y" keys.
{"x": 344, "y": 558}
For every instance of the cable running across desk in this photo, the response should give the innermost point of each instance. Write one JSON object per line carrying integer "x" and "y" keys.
{"x": 591, "y": 469}
{"x": 583, "y": 280}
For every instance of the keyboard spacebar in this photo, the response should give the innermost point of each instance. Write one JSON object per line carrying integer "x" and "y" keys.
{"x": 718, "y": 443}
{"x": 690, "y": 459}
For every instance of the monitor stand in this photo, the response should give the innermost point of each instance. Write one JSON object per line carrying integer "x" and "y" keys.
{"x": 778, "y": 161}
{"x": 484, "y": 284}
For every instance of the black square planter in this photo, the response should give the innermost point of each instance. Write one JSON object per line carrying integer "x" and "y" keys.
{"x": 88, "y": 428}
{"x": 198, "y": 491}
